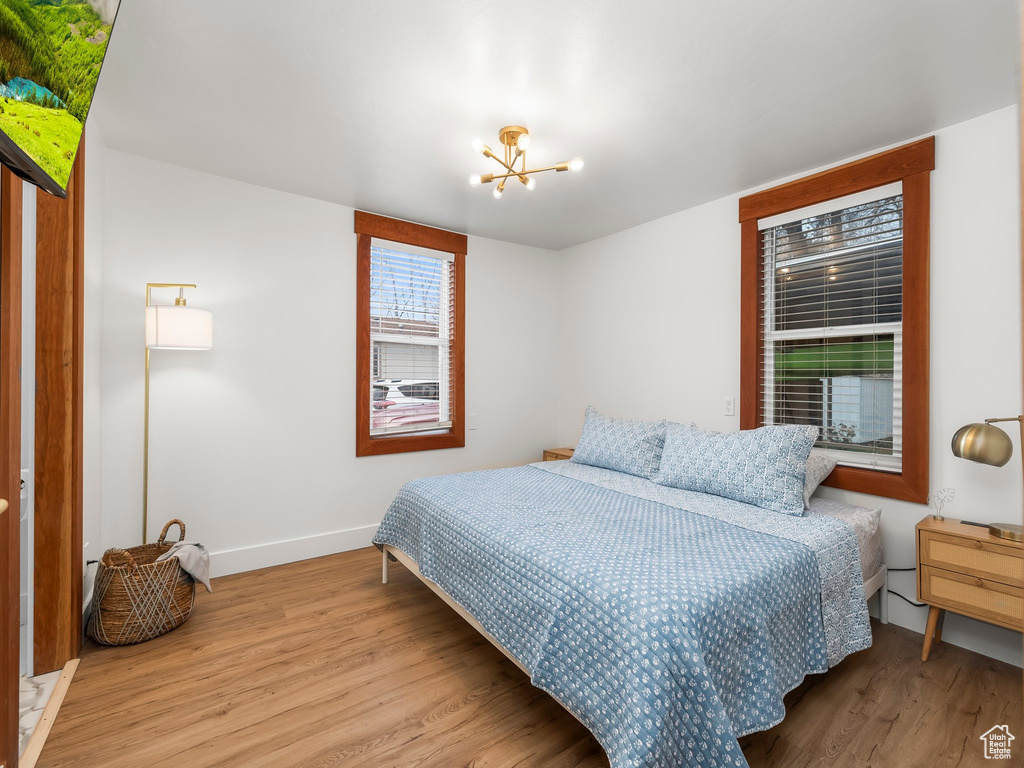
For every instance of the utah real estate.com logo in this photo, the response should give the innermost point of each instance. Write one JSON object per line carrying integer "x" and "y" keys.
{"x": 997, "y": 742}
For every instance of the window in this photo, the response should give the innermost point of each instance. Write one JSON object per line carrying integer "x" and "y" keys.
{"x": 835, "y": 316}
{"x": 410, "y": 337}
{"x": 833, "y": 299}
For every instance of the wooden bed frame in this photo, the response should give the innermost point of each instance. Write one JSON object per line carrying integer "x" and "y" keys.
{"x": 878, "y": 583}
{"x": 411, "y": 564}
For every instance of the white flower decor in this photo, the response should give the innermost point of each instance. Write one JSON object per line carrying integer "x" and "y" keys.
{"x": 940, "y": 498}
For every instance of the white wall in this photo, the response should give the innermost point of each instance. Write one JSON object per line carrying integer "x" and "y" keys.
{"x": 252, "y": 443}
{"x": 650, "y": 329}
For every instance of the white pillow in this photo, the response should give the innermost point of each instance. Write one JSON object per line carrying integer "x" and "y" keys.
{"x": 819, "y": 466}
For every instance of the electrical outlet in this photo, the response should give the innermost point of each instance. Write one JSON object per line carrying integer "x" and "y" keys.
{"x": 730, "y": 406}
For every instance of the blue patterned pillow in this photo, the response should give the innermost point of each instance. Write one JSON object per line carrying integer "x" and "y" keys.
{"x": 633, "y": 447}
{"x": 764, "y": 467}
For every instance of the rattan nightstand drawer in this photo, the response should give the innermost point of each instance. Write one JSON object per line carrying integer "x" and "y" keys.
{"x": 1003, "y": 564}
{"x": 981, "y": 598}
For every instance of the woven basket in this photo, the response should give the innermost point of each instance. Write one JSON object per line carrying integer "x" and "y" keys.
{"x": 136, "y": 598}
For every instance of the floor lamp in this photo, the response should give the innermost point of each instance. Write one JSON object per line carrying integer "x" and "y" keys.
{"x": 169, "y": 326}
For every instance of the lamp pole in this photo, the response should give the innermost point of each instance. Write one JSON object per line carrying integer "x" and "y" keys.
{"x": 1020, "y": 422}
{"x": 145, "y": 422}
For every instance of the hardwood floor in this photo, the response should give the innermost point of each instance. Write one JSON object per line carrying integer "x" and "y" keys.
{"x": 319, "y": 664}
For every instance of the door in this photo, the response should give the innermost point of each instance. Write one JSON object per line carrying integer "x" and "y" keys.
{"x": 10, "y": 462}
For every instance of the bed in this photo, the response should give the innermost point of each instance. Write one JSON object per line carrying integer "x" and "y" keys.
{"x": 669, "y": 622}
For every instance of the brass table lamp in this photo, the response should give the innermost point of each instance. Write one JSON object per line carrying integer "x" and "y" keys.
{"x": 986, "y": 444}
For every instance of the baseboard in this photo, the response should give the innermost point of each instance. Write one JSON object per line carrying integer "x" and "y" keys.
{"x": 229, "y": 561}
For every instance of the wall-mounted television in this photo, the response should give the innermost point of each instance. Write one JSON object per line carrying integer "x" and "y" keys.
{"x": 51, "y": 54}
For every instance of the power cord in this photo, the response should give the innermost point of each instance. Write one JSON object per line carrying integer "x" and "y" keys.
{"x": 893, "y": 592}
{"x": 904, "y": 597}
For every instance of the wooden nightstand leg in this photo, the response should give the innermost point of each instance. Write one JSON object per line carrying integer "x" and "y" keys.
{"x": 929, "y": 631}
{"x": 938, "y": 625}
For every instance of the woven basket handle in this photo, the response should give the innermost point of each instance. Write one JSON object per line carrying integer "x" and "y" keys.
{"x": 120, "y": 558}
{"x": 163, "y": 533}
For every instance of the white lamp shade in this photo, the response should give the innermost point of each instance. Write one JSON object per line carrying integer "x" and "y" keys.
{"x": 173, "y": 327}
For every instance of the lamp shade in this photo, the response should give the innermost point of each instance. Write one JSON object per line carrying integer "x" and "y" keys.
{"x": 178, "y": 327}
{"x": 983, "y": 443}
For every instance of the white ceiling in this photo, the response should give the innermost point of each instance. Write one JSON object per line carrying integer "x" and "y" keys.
{"x": 671, "y": 104}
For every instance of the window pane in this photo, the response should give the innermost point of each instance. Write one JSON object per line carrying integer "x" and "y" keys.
{"x": 870, "y": 223}
{"x": 409, "y": 337}
{"x": 406, "y": 293}
{"x": 839, "y": 268}
{"x": 843, "y": 386}
{"x": 848, "y": 288}
{"x": 824, "y": 274}
{"x": 398, "y": 361}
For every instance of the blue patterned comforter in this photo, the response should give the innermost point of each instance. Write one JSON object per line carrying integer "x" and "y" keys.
{"x": 669, "y": 622}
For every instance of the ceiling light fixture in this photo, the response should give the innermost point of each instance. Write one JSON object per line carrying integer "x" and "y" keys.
{"x": 515, "y": 139}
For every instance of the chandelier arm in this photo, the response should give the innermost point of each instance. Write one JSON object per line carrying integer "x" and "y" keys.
{"x": 488, "y": 152}
{"x": 495, "y": 177}
{"x": 506, "y": 166}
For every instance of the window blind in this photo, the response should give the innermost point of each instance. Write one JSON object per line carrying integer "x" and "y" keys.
{"x": 411, "y": 309}
{"x": 833, "y": 328}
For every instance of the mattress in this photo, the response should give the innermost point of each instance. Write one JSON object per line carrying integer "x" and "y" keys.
{"x": 865, "y": 523}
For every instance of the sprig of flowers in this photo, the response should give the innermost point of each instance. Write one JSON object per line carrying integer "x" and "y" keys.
{"x": 940, "y": 498}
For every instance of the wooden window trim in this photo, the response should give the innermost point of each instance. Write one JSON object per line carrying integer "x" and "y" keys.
{"x": 367, "y": 227}
{"x": 910, "y": 164}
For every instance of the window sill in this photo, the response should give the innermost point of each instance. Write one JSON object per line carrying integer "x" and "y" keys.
{"x": 379, "y": 446}
{"x": 879, "y": 483}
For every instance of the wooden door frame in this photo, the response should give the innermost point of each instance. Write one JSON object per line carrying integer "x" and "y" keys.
{"x": 10, "y": 461}
{"x": 57, "y": 511}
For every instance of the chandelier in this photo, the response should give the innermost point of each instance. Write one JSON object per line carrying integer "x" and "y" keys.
{"x": 516, "y": 140}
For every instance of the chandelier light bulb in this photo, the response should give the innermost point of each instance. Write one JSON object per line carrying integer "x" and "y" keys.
{"x": 497, "y": 193}
{"x": 474, "y": 180}
{"x": 576, "y": 164}
{"x": 531, "y": 184}
{"x": 478, "y": 145}
{"x": 523, "y": 142}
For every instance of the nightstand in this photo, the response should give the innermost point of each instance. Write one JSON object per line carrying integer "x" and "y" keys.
{"x": 558, "y": 454}
{"x": 965, "y": 569}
